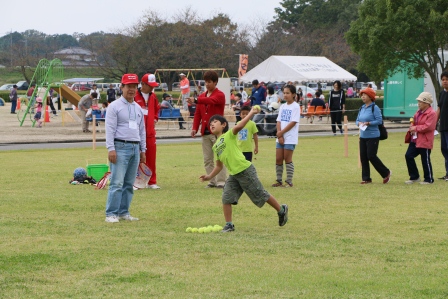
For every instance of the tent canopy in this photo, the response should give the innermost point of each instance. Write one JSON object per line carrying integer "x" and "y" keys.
{"x": 297, "y": 68}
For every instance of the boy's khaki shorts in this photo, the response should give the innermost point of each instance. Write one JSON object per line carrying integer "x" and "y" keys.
{"x": 245, "y": 181}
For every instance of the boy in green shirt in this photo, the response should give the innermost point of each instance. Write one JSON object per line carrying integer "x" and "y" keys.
{"x": 243, "y": 176}
{"x": 246, "y": 135}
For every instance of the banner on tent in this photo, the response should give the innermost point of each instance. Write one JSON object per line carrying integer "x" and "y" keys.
{"x": 242, "y": 69}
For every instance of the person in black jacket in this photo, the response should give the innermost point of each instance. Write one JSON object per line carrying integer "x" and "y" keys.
{"x": 336, "y": 102}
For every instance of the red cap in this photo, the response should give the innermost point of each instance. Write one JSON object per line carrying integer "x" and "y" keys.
{"x": 129, "y": 79}
{"x": 368, "y": 91}
{"x": 150, "y": 79}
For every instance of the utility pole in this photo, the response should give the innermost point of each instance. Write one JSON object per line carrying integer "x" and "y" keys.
{"x": 10, "y": 47}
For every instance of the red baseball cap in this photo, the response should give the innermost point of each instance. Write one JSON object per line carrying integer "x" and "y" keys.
{"x": 150, "y": 79}
{"x": 129, "y": 79}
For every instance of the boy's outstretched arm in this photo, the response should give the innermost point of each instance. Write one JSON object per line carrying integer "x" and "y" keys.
{"x": 239, "y": 126}
{"x": 215, "y": 171}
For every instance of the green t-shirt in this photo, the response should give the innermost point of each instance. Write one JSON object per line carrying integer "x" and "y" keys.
{"x": 246, "y": 135}
{"x": 226, "y": 150}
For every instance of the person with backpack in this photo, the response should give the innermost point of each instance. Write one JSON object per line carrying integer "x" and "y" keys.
{"x": 369, "y": 119}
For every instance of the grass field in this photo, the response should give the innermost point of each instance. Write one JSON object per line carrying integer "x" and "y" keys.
{"x": 343, "y": 240}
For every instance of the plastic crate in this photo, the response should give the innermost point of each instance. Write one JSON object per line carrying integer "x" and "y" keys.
{"x": 97, "y": 171}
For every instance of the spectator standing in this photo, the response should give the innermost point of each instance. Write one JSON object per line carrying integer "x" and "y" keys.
{"x": 209, "y": 103}
{"x": 184, "y": 89}
{"x": 111, "y": 94}
{"x": 368, "y": 120}
{"x": 50, "y": 101}
{"x": 167, "y": 105}
{"x": 287, "y": 136}
{"x": 150, "y": 104}
{"x": 243, "y": 176}
{"x": 350, "y": 91}
{"x": 126, "y": 146}
{"x": 442, "y": 115}
{"x": 244, "y": 95}
{"x": 97, "y": 92}
{"x": 85, "y": 103}
{"x": 246, "y": 135}
{"x": 237, "y": 107}
{"x": 258, "y": 93}
{"x": 13, "y": 98}
{"x": 422, "y": 140}
{"x": 336, "y": 102}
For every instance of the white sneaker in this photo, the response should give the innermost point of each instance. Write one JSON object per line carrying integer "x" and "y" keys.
{"x": 412, "y": 181}
{"x": 128, "y": 217}
{"x": 153, "y": 186}
{"x": 135, "y": 188}
{"x": 112, "y": 219}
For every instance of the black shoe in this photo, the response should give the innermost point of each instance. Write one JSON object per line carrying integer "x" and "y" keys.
{"x": 444, "y": 178}
{"x": 228, "y": 228}
{"x": 210, "y": 186}
{"x": 182, "y": 128}
{"x": 13, "y": 113}
{"x": 283, "y": 218}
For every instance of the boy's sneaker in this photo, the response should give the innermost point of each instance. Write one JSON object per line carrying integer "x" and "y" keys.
{"x": 366, "y": 182}
{"x": 128, "y": 218}
{"x": 425, "y": 183}
{"x": 444, "y": 178}
{"x": 387, "y": 178}
{"x": 228, "y": 228}
{"x": 277, "y": 184}
{"x": 112, "y": 219}
{"x": 283, "y": 218}
{"x": 412, "y": 181}
{"x": 288, "y": 184}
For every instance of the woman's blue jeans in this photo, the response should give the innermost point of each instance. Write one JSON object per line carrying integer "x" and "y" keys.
{"x": 123, "y": 174}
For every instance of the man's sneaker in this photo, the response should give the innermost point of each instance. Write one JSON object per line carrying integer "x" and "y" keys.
{"x": 153, "y": 186}
{"x": 366, "y": 182}
{"x": 412, "y": 181}
{"x": 387, "y": 179}
{"x": 128, "y": 218}
{"x": 228, "y": 228}
{"x": 112, "y": 219}
{"x": 444, "y": 178}
{"x": 283, "y": 217}
{"x": 425, "y": 183}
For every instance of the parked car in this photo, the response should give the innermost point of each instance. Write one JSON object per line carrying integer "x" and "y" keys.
{"x": 306, "y": 90}
{"x": 198, "y": 83}
{"x": 276, "y": 85}
{"x": 313, "y": 85}
{"x": 6, "y": 87}
{"x": 81, "y": 86}
{"x": 175, "y": 86}
{"x": 162, "y": 86}
{"x": 366, "y": 84}
{"x": 22, "y": 85}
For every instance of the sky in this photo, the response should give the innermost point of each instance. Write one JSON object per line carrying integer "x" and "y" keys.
{"x": 82, "y": 16}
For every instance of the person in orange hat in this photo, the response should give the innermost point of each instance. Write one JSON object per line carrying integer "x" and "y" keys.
{"x": 368, "y": 120}
{"x": 185, "y": 90}
{"x": 126, "y": 146}
{"x": 150, "y": 105}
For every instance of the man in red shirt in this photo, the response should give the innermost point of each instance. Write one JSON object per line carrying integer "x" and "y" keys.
{"x": 185, "y": 90}
{"x": 150, "y": 105}
{"x": 208, "y": 104}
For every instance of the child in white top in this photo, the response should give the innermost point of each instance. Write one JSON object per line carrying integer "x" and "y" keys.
{"x": 287, "y": 136}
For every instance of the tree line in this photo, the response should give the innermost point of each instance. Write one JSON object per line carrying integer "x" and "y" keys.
{"x": 369, "y": 38}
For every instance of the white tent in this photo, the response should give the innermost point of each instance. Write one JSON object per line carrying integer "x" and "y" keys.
{"x": 297, "y": 68}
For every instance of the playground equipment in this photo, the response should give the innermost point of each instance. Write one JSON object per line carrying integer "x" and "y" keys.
{"x": 48, "y": 75}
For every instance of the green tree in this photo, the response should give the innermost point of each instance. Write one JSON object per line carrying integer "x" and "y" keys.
{"x": 399, "y": 35}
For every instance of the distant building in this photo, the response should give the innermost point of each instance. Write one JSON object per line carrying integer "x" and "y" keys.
{"x": 76, "y": 56}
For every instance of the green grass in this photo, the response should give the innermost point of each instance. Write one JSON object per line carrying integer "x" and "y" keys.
{"x": 343, "y": 240}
